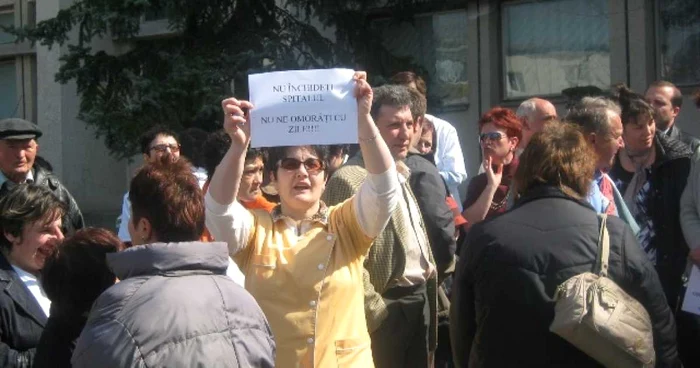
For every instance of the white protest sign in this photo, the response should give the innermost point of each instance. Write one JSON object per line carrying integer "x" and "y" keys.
{"x": 303, "y": 107}
{"x": 691, "y": 302}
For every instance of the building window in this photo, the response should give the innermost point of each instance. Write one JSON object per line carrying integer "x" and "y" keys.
{"x": 551, "y": 45}
{"x": 17, "y": 63}
{"x": 8, "y": 89}
{"x": 7, "y": 18}
{"x": 438, "y": 43}
{"x": 679, "y": 41}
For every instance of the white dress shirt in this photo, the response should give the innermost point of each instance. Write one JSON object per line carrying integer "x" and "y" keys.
{"x": 32, "y": 283}
{"x": 448, "y": 156}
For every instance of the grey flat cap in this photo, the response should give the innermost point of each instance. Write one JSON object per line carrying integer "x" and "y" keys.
{"x": 14, "y": 128}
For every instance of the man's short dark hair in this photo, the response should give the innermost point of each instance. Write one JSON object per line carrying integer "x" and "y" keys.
{"x": 192, "y": 141}
{"x": 419, "y": 104}
{"x": 168, "y": 196}
{"x": 677, "y": 98}
{"x": 76, "y": 273}
{"x": 406, "y": 78}
{"x": 26, "y": 204}
{"x": 153, "y": 133}
{"x": 390, "y": 95}
{"x": 216, "y": 146}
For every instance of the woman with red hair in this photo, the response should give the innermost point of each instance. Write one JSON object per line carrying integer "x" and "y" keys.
{"x": 500, "y": 131}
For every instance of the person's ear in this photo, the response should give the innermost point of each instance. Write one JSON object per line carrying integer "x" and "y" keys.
{"x": 514, "y": 143}
{"x": 675, "y": 110}
{"x": 144, "y": 230}
{"x": 418, "y": 125}
{"x": 12, "y": 239}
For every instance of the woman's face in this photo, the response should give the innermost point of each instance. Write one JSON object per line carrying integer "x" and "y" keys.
{"x": 299, "y": 178}
{"x": 496, "y": 143}
{"x": 639, "y": 134}
{"x": 38, "y": 240}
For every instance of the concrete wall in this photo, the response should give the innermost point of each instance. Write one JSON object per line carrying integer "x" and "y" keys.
{"x": 96, "y": 180}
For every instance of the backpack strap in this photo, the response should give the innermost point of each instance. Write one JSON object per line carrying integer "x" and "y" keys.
{"x": 603, "y": 246}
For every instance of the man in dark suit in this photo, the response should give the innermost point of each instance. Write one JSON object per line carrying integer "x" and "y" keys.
{"x": 667, "y": 100}
{"x": 30, "y": 228}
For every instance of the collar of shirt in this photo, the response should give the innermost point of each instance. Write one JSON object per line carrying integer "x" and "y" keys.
{"x": 28, "y": 179}
{"x": 598, "y": 176}
{"x": 320, "y": 216}
{"x": 403, "y": 170}
{"x": 595, "y": 196}
{"x": 34, "y": 286}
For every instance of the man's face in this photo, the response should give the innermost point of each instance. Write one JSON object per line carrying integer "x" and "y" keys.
{"x": 251, "y": 180}
{"x": 608, "y": 143}
{"x": 664, "y": 112}
{"x": 161, "y": 146}
{"x": 396, "y": 126}
{"x": 544, "y": 113}
{"x": 17, "y": 157}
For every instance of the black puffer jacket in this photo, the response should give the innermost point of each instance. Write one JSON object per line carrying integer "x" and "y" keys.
{"x": 510, "y": 267}
{"x": 73, "y": 219}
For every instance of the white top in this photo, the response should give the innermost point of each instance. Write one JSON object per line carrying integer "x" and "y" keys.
{"x": 374, "y": 202}
{"x": 448, "y": 156}
{"x": 31, "y": 282}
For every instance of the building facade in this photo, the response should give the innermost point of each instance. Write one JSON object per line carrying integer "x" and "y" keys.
{"x": 477, "y": 54}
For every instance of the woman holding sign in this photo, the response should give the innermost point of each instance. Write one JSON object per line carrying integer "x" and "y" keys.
{"x": 303, "y": 262}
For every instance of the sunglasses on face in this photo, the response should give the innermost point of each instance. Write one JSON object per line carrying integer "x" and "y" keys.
{"x": 312, "y": 165}
{"x": 164, "y": 147}
{"x": 492, "y": 136}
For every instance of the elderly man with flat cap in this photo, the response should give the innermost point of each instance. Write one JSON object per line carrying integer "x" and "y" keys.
{"x": 18, "y": 149}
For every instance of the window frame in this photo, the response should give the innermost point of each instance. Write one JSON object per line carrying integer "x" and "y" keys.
{"x": 23, "y": 54}
{"x": 658, "y": 54}
{"x": 503, "y": 73}
{"x": 429, "y": 9}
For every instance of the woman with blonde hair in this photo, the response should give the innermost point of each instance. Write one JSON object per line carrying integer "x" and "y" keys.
{"x": 511, "y": 266}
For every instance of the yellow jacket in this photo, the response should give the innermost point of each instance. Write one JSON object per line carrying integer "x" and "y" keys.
{"x": 311, "y": 292}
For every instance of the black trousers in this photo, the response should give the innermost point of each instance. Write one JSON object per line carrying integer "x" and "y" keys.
{"x": 402, "y": 339}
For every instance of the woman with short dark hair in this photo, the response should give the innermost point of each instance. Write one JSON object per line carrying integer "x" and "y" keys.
{"x": 73, "y": 277}
{"x": 304, "y": 261}
{"x": 174, "y": 305}
{"x": 512, "y": 265}
{"x": 30, "y": 229}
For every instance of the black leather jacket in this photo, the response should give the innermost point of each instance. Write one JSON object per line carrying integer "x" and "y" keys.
{"x": 684, "y": 137}
{"x": 73, "y": 219}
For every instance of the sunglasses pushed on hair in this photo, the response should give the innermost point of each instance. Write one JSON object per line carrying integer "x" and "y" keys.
{"x": 312, "y": 165}
{"x": 492, "y": 136}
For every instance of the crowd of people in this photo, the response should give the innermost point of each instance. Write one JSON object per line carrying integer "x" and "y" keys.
{"x": 361, "y": 255}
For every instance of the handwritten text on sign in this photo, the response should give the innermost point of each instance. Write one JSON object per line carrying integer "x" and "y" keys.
{"x": 303, "y": 107}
